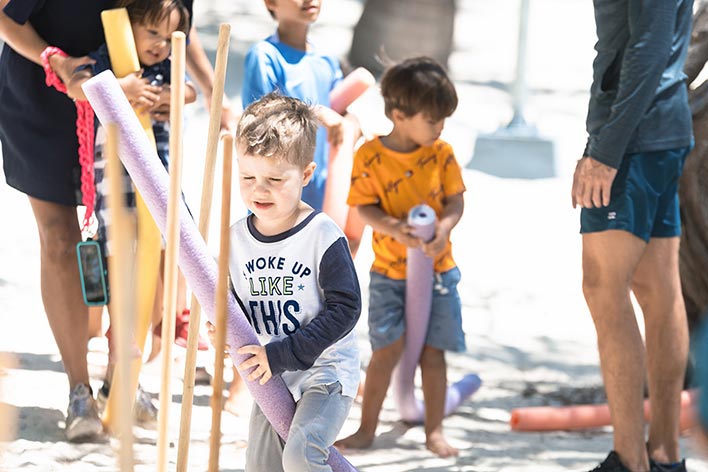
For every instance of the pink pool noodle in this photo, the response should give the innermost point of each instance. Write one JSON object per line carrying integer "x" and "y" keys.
{"x": 339, "y": 172}
{"x": 199, "y": 268}
{"x": 419, "y": 294}
{"x": 349, "y": 89}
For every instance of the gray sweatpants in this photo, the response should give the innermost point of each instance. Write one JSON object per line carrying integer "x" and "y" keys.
{"x": 319, "y": 415}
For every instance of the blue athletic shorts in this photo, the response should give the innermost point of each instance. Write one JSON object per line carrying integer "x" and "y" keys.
{"x": 644, "y": 197}
{"x": 387, "y": 312}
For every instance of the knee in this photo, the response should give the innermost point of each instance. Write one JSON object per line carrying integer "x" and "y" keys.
{"x": 58, "y": 237}
{"x": 601, "y": 287}
{"x": 387, "y": 357}
{"x": 303, "y": 454}
{"x": 432, "y": 358}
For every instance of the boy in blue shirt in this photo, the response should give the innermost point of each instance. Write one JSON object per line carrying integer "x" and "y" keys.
{"x": 288, "y": 63}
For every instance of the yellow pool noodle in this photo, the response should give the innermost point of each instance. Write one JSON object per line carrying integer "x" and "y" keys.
{"x": 124, "y": 60}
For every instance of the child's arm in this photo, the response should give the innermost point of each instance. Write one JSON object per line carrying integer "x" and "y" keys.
{"x": 199, "y": 68}
{"x": 342, "y": 307}
{"x": 141, "y": 94}
{"x": 448, "y": 219}
{"x": 382, "y": 222}
{"x": 331, "y": 120}
{"x": 161, "y": 110}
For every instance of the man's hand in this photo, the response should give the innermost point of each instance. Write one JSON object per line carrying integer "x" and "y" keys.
{"x": 259, "y": 360}
{"x": 592, "y": 183}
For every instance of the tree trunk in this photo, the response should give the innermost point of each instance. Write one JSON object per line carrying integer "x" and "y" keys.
{"x": 693, "y": 188}
{"x": 399, "y": 29}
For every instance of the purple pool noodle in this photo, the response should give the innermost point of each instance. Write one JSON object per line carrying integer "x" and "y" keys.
{"x": 199, "y": 268}
{"x": 419, "y": 294}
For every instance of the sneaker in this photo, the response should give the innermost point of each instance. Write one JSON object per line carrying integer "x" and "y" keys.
{"x": 82, "y": 421}
{"x": 611, "y": 463}
{"x": 144, "y": 410}
{"x": 661, "y": 467}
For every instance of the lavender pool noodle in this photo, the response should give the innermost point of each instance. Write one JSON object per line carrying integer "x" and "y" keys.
{"x": 199, "y": 268}
{"x": 419, "y": 294}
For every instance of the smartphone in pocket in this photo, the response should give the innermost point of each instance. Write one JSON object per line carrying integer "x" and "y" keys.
{"x": 93, "y": 273}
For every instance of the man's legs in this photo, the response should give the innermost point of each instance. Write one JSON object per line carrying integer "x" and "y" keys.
{"x": 657, "y": 286}
{"x": 61, "y": 288}
{"x": 609, "y": 260}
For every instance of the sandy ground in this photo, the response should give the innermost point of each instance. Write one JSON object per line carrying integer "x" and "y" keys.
{"x": 529, "y": 334}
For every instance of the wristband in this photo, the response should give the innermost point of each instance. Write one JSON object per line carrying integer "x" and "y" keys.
{"x": 52, "y": 79}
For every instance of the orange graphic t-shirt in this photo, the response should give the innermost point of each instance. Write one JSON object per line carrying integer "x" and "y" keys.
{"x": 397, "y": 182}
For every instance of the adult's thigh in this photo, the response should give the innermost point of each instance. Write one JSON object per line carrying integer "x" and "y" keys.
{"x": 610, "y": 259}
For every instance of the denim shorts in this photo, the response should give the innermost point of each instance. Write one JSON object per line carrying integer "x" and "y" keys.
{"x": 644, "y": 197}
{"x": 387, "y": 321}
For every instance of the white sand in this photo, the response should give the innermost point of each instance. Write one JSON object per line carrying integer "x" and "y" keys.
{"x": 517, "y": 246}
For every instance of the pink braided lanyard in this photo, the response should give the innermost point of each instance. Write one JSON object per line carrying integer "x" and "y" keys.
{"x": 84, "y": 131}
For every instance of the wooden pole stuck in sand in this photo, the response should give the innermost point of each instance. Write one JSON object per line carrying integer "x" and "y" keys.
{"x": 172, "y": 247}
{"x": 121, "y": 233}
{"x": 220, "y": 307}
{"x": 222, "y": 52}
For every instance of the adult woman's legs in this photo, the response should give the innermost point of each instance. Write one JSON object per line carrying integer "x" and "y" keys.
{"x": 66, "y": 312}
{"x": 61, "y": 287}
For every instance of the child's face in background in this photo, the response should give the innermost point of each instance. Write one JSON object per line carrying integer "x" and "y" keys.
{"x": 271, "y": 188}
{"x": 297, "y": 11}
{"x": 420, "y": 128}
{"x": 153, "y": 41}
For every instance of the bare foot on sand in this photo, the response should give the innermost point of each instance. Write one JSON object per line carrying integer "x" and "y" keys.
{"x": 358, "y": 440}
{"x": 438, "y": 445}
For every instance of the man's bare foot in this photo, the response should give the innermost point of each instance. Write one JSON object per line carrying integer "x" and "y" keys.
{"x": 239, "y": 402}
{"x": 358, "y": 440}
{"x": 438, "y": 445}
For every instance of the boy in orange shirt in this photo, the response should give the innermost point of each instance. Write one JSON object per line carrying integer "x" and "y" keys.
{"x": 391, "y": 175}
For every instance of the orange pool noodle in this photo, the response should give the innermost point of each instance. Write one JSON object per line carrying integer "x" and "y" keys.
{"x": 577, "y": 417}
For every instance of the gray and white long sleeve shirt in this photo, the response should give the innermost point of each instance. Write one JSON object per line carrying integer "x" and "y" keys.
{"x": 300, "y": 293}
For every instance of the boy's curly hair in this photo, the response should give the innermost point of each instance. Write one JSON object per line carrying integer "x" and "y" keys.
{"x": 279, "y": 127}
{"x": 150, "y": 12}
{"x": 418, "y": 85}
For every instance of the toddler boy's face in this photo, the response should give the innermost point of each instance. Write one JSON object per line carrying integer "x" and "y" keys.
{"x": 271, "y": 188}
{"x": 153, "y": 41}
{"x": 296, "y": 11}
{"x": 421, "y": 129}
